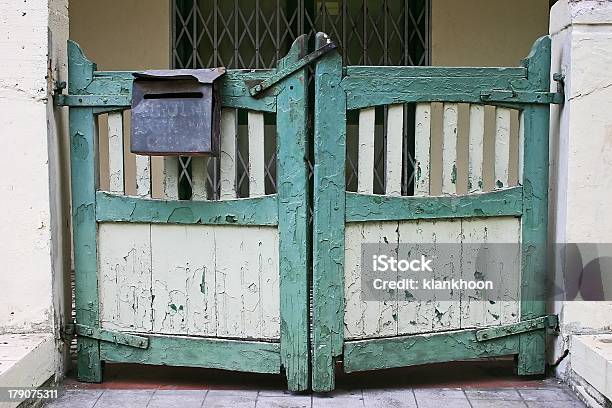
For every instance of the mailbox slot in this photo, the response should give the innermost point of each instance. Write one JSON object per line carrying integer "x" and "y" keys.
{"x": 176, "y": 112}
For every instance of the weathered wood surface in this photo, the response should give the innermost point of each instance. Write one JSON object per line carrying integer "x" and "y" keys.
{"x": 258, "y": 357}
{"x": 246, "y": 211}
{"x": 457, "y": 310}
{"x": 83, "y": 150}
{"x": 256, "y": 154}
{"x": 534, "y": 224}
{"x": 115, "y": 152}
{"x": 294, "y": 234}
{"x": 395, "y": 134}
{"x": 365, "y": 176}
{"x": 328, "y": 218}
{"x": 368, "y": 207}
{"x": 188, "y": 279}
{"x": 423, "y": 349}
{"x": 422, "y": 143}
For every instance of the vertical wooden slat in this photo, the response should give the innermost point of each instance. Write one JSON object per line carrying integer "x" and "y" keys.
{"x": 293, "y": 185}
{"x": 228, "y": 154}
{"x": 534, "y": 222}
{"x": 449, "y": 148}
{"x": 198, "y": 178}
{"x": 502, "y": 146}
{"x": 84, "y": 182}
{"x": 115, "y": 152}
{"x": 143, "y": 176}
{"x": 521, "y": 146}
{"x": 395, "y": 130}
{"x": 476, "y": 146}
{"x": 256, "y": 154}
{"x": 422, "y": 143}
{"x": 171, "y": 175}
{"x": 365, "y": 165}
{"x": 328, "y": 219}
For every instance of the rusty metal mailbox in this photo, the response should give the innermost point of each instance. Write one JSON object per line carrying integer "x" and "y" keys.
{"x": 176, "y": 112}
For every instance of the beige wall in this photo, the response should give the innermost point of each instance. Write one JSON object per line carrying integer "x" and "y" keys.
{"x": 485, "y": 32}
{"x": 123, "y": 34}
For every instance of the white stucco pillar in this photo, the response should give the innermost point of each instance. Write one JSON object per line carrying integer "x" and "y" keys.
{"x": 34, "y": 224}
{"x": 581, "y": 154}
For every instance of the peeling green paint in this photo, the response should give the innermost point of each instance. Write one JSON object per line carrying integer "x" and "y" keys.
{"x": 245, "y": 211}
{"x": 364, "y": 207}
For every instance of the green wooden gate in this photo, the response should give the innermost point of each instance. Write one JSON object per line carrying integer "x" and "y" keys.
{"x": 201, "y": 283}
{"x": 223, "y": 282}
{"x": 453, "y": 202}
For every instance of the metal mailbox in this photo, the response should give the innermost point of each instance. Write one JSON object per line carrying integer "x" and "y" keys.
{"x": 176, "y": 112}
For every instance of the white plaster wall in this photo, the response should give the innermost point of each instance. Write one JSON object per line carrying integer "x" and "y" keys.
{"x": 32, "y": 212}
{"x": 581, "y": 152}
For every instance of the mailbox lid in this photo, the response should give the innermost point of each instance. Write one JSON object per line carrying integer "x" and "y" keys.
{"x": 175, "y": 112}
{"x": 203, "y": 76}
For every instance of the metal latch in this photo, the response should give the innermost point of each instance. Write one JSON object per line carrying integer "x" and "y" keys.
{"x": 550, "y": 321}
{"x": 107, "y": 335}
{"x": 259, "y": 87}
{"x": 512, "y": 96}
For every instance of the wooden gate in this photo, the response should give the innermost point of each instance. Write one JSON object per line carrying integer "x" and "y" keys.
{"x": 480, "y": 175}
{"x": 201, "y": 282}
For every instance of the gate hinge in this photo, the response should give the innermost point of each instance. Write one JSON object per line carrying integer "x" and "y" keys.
{"x": 107, "y": 335}
{"x": 258, "y": 87}
{"x": 512, "y": 96}
{"x": 550, "y": 321}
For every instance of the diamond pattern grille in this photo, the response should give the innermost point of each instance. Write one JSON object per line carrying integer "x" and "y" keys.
{"x": 257, "y": 33}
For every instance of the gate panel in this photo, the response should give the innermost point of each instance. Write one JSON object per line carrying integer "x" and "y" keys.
{"x": 474, "y": 182}
{"x": 200, "y": 282}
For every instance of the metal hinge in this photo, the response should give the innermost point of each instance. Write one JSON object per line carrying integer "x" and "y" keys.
{"x": 107, "y": 335}
{"x": 512, "y": 96}
{"x": 550, "y": 321}
{"x": 258, "y": 87}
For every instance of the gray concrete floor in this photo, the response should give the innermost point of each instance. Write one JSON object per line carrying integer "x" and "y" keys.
{"x": 546, "y": 394}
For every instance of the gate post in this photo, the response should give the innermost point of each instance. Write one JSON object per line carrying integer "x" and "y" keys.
{"x": 534, "y": 222}
{"x": 292, "y": 182}
{"x": 84, "y": 180}
{"x": 328, "y": 217}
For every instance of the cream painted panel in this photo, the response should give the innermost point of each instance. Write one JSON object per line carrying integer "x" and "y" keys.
{"x": 422, "y": 142}
{"x": 502, "y": 146}
{"x": 228, "y": 154}
{"x": 143, "y": 176}
{"x": 393, "y": 169}
{"x": 368, "y": 319}
{"x": 365, "y": 319}
{"x": 256, "y": 154}
{"x": 475, "y": 146}
{"x": 490, "y": 261}
{"x": 365, "y": 166}
{"x": 449, "y": 148}
{"x": 198, "y": 178}
{"x": 171, "y": 176}
{"x": 124, "y": 268}
{"x": 115, "y": 152}
{"x": 183, "y": 276}
{"x": 247, "y": 282}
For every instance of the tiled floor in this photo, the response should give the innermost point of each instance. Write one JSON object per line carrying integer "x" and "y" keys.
{"x": 453, "y": 385}
{"x": 548, "y": 395}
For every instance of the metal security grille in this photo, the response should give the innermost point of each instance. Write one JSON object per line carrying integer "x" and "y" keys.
{"x": 255, "y": 34}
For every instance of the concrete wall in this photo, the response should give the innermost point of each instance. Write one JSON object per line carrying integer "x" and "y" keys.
{"x": 33, "y": 221}
{"x": 485, "y": 32}
{"x": 581, "y": 151}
